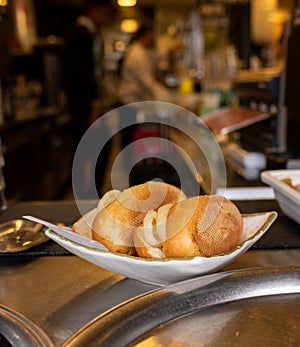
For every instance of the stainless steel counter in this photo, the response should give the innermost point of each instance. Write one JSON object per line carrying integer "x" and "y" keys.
{"x": 62, "y": 293}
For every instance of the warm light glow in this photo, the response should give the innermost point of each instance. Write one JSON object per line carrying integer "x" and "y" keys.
{"x": 261, "y": 28}
{"x": 22, "y": 22}
{"x": 25, "y": 24}
{"x": 120, "y": 46}
{"x": 8, "y": 231}
{"x": 3, "y": 2}
{"x": 129, "y": 25}
{"x": 278, "y": 17}
{"x": 127, "y": 3}
{"x": 19, "y": 224}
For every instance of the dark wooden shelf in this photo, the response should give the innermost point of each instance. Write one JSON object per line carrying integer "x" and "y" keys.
{"x": 38, "y": 156}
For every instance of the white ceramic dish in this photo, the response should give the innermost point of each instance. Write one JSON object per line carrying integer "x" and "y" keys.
{"x": 169, "y": 270}
{"x": 288, "y": 198}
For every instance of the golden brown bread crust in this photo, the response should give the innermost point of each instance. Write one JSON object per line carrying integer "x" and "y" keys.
{"x": 83, "y": 226}
{"x": 200, "y": 226}
{"x": 115, "y": 224}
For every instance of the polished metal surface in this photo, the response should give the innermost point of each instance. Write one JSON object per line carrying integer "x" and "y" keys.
{"x": 131, "y": 320}
{"x": 62, "y": 294}
{"x": 262, "y": 321}
{"x": 18, "y": 331}
{"x": 18, "y": 235}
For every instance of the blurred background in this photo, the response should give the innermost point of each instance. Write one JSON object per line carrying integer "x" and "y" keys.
{"x": 241, "y": 44}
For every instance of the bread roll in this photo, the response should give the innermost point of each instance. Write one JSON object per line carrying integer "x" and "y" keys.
{"x": 84, "y": 225}
{"x": 200, "y": 226}
{"x": 114, "y": 225}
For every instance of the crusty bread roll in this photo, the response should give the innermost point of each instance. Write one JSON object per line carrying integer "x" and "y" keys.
{"x": 114, "y": 225}
{"x": 84, "y": 225}
{"x": 200, "y": 226}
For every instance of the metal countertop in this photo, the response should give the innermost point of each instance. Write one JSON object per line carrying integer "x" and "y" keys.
{"x": 62, "y": 294}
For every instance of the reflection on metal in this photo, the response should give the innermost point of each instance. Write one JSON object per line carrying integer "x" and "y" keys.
{"x": 18, "y": 235}
{"x": 19, "y": 331}
{"x": 229, "y": 306}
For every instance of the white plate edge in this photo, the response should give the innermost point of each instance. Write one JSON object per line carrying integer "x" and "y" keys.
{"x": 270, "y": 218}
{"x": 269, "y": 177}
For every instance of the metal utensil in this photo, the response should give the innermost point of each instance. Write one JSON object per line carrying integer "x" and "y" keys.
{"x": 67, "y": 233}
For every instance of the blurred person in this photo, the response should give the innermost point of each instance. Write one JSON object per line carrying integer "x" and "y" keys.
{"x": 84, "y": 64}
{"x": 84, "y": 69}
{"x": 138, "y": 80}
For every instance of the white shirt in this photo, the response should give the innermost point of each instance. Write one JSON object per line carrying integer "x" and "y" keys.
{"x": 138, "y": 82}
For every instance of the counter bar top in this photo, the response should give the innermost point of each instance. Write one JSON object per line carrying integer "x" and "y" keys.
{"x": 62, "y": 294}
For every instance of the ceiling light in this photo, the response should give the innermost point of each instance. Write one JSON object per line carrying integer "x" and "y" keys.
{"x": 129, "y": 25}
{"x": 126, "y": 3}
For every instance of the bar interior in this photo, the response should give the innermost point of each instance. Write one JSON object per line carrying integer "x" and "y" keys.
{"x": 149, "y": 173}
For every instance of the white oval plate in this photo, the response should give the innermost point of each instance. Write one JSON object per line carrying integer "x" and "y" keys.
{"x": 169, "y": 270}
